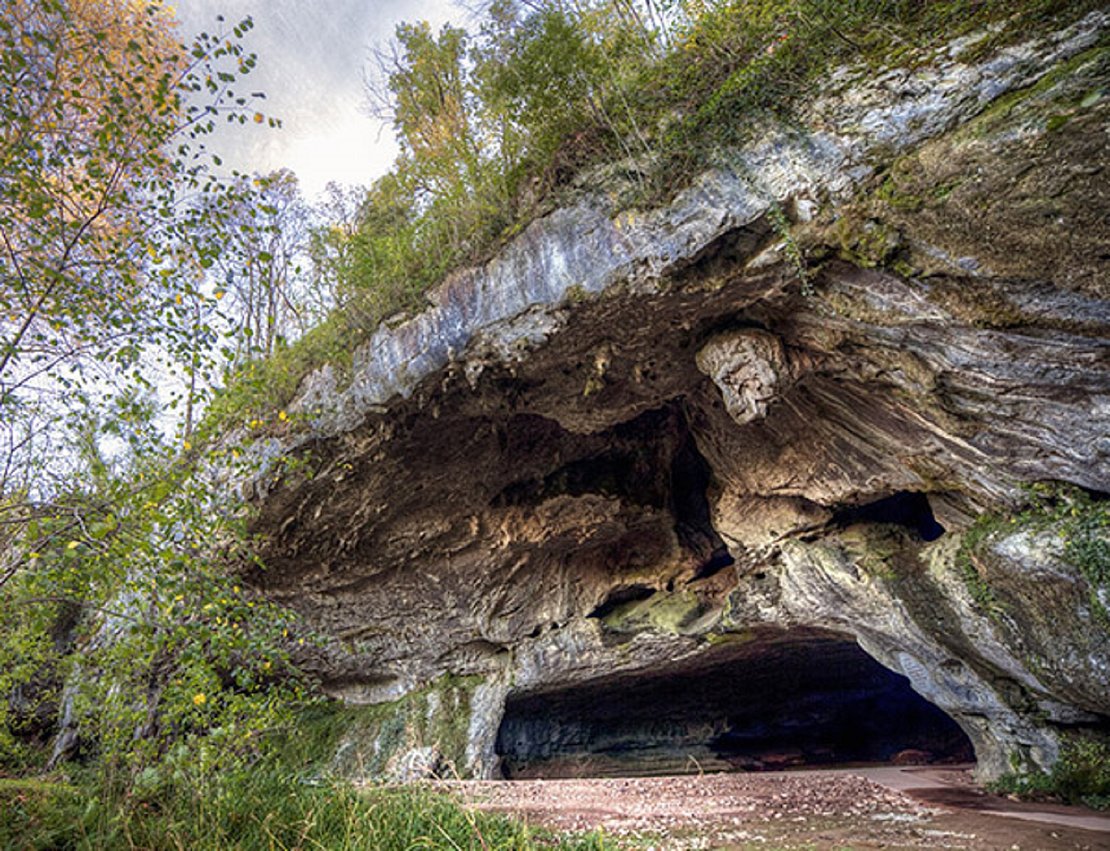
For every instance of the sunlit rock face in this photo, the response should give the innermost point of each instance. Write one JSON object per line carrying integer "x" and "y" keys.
{"x": 640, "y": 454}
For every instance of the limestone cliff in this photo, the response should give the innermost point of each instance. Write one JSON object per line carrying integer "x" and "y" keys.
{"x": 636, "y": 481}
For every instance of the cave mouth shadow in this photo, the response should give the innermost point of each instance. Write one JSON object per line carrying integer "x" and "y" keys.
{"x": 762, "y": 701}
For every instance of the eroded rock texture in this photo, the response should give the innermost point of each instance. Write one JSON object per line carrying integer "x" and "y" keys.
{"x": 637, "y": 453}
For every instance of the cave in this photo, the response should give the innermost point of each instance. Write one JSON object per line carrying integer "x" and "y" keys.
{"x": 761, "y": 701}
{"x": 905, "y": 508}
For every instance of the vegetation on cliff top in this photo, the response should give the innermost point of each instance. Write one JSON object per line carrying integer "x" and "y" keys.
{"x": 496, "y": 126}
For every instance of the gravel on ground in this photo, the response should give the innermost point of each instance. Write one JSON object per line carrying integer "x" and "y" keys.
{"x": 840, "y": 809}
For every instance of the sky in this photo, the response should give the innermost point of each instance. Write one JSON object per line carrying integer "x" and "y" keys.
{"x": 312, "y": 58}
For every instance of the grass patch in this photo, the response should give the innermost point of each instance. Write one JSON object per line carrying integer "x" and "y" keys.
{"x": 281, "y": 801}
{"x": 263, "y": 807}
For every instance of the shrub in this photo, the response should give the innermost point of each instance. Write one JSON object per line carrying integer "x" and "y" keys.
{"x": 1081, "y": 776}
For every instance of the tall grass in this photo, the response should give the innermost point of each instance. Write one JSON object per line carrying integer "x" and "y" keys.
{"x": 281, "y": 801}
{"x": 259, "y": 808}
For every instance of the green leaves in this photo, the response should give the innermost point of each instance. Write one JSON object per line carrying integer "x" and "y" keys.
{"x": 96, "y": 172}
{"x": 108, "y": 539}
{"x": 135, "y": 558}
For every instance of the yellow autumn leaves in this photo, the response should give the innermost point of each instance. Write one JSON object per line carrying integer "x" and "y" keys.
{"x": 282, "y": 416}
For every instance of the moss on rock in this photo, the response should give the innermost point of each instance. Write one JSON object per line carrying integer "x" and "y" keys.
{"x": 373, "y": 741}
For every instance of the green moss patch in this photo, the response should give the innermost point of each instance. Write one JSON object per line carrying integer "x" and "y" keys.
{"x": 664, "y": 612}
{"x": 366, "y": 739}
{"x": 1081, "y": 523}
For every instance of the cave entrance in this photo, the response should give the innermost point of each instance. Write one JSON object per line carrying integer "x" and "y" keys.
{"x": 766, "y": 701}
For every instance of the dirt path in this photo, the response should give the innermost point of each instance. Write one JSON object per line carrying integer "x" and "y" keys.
{"x": 954, "y": 789}
{"x": 888, "y": 808}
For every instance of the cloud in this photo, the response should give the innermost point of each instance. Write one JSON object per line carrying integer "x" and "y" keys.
{"x": 311, "y": 59}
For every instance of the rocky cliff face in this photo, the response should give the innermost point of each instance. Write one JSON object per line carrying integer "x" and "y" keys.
{"x": 668, "y": 483}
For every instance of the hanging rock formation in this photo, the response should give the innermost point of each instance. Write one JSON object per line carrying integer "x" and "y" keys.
{"x": 632, "y": 484}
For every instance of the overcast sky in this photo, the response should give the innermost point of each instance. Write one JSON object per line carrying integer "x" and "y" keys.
{"x": 311, "y": 58}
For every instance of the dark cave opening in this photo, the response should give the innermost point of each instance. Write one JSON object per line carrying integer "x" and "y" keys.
{"x": 690, "y": 477}
{"x": 651, "y": 460}
{"x": 905, "y": 508}
{"x": 769, "y": 701}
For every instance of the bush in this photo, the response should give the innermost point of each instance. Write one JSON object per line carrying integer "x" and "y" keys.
{"x": 1083, "y": 773}
{"x": 1081, "y": 776}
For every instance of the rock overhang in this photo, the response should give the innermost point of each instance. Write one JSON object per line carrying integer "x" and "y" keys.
{"x": 618, "y": 401}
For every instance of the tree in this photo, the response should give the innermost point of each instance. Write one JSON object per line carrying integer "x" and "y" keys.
{"x": 106, "y": 534}
{"x": 101, "y": 149}
{"x": 334, "y": 228}
{"x": 536, "y": 75}
{"x": 263, "y": 225}
{"x": 426, "y": 96}
{"x": 424, "y": 86}
{"x": 91, "y": 109}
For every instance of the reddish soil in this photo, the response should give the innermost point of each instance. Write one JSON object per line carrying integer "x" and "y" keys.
{"x": 888, "y": 808}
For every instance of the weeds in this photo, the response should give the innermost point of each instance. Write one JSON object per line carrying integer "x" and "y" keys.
{"x": 264, "y": 806}
{"x": 1081, "y": 776}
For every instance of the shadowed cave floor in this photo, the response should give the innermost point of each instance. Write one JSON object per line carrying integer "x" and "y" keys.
{"x": 774, "y": 700}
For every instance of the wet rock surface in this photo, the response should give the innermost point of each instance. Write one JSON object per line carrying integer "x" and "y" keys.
{"x": 633, "y": 436}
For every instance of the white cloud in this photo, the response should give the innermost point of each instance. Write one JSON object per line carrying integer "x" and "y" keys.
{"x": 311, "y": 59}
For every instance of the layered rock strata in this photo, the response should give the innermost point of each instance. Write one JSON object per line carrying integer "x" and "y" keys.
{"x": 781, "y": 405}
